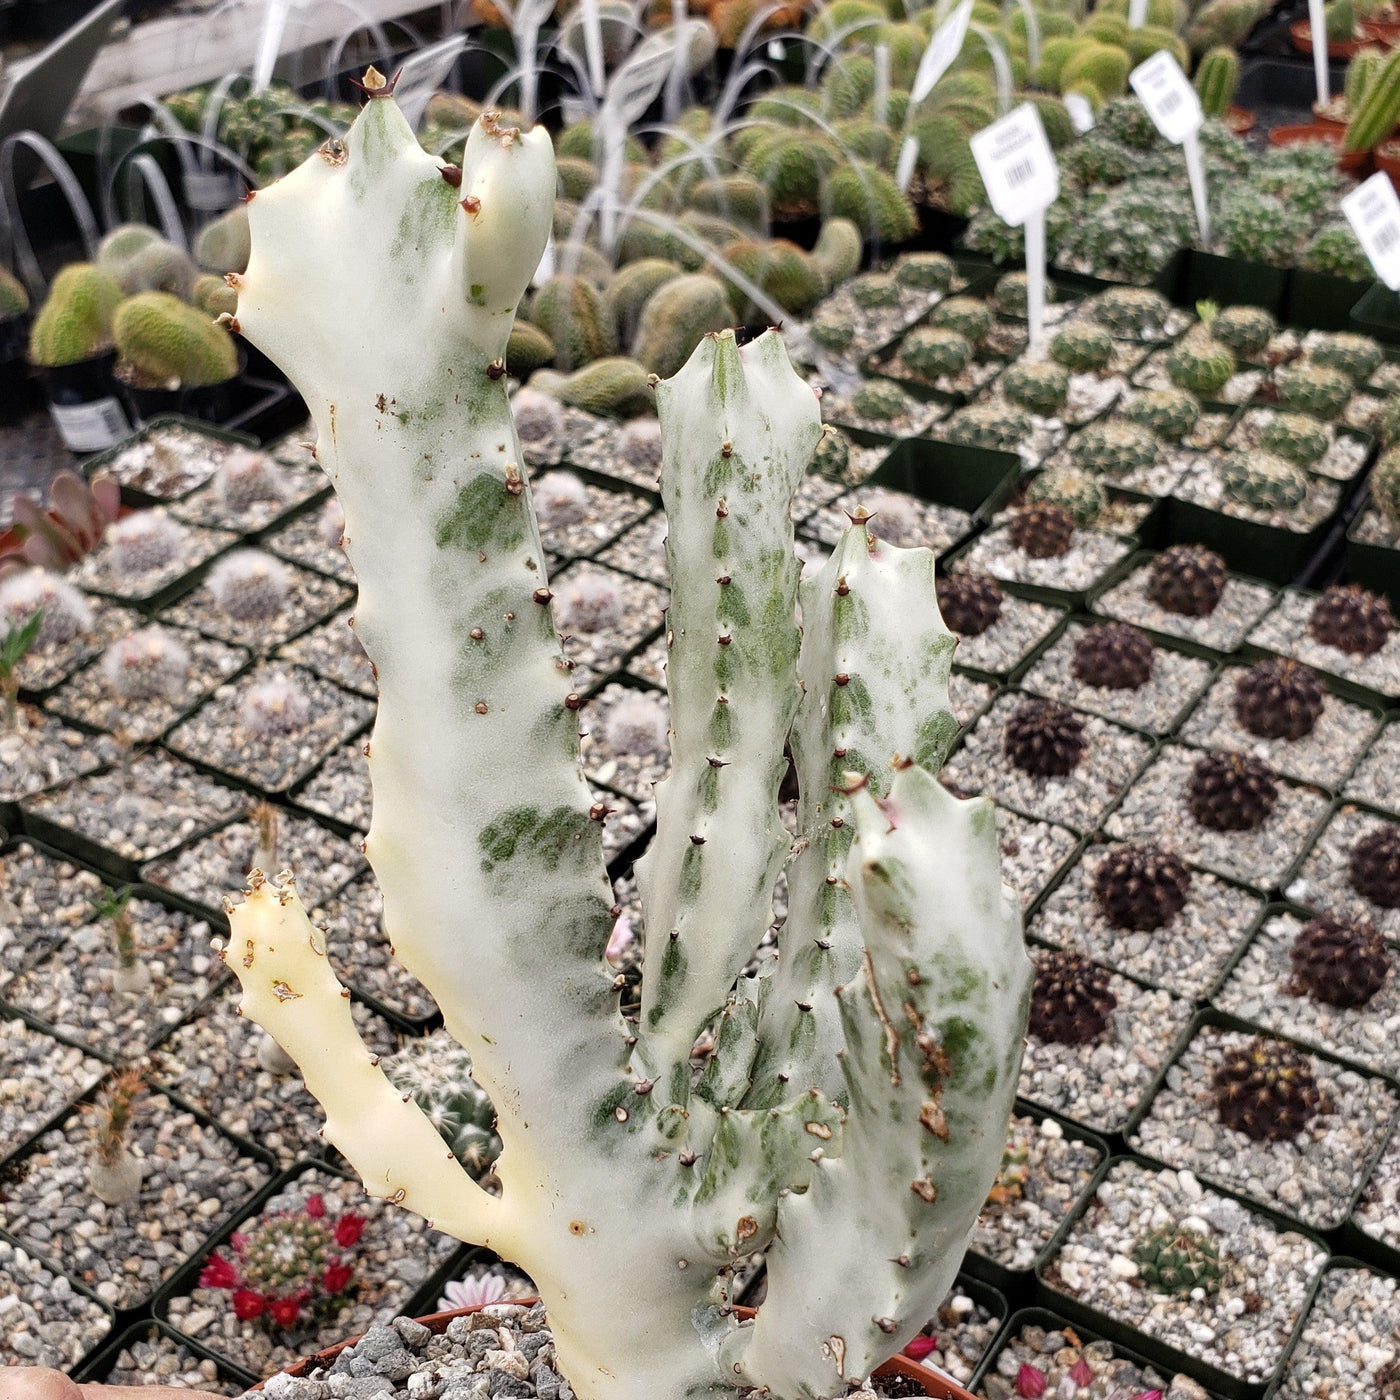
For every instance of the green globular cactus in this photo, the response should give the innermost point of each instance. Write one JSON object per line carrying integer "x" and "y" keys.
{"x": 14, "y": 300}
{"x": 1012, "y": 294}
{"x": 1104, "y": 66}
{"x": 1131, "y": 311}
{"x": 75, "y": 321}
{"x": 1224, "y": 22}
{"x": 786, "y": 272}
{"x": 930, "y": 272}
{"x": 871, "y": 200}
{"x": 1150, "y": 39}
{"x": 933, "y": 352}
{"x": 1126, "y": 121}
{"x": 1296, "y": 438}
{"x": 1217, "y": 79}
{"x": 437, "y": 1073}
{"x": 1336, "y": 251}
{"x": 1340, "y": 21}
{"x": 676, "y": 318}
{"x": 1357, "y": 356}
{"x": 629, "y": 292}
{"x": 569, "y": 309}
{"x": 214, "y": 296}
{"x": 122, "y": 243}
{"x": 865, "y": 138}
{"x": 577, "y": 177}
{"x": 880, "y": 401}
{"x": 1113, "y": 447}
{"x": 1200, "y": 364}
{"x": 833, "y": 333}
{"x": 847, "y": 85}
{"x": 162, "y": 341}
{"x": 1169, "y": 413}
{"x": 158, "y": 267}
{"x": 1362, "y": 70}
{"x": 1082, "y": 347}
{"x": 527, "y": 350}
{"x": 736, "y": 197}
{"x": 1247, "y": 330}
{"x": 877, "y": 1060}
{"x": 1261, "y": 228}
{"x": 837, "y": 251}
{"x": 222, "y": 246}
{"x": 966, "y": 315}
{"x": 1262, "y": 481}
{"x": 1313, "y": 389}
{"x": 1055, "y": 52}
{"x": 1385, "y": 487}
{"x": 993, "y": 423}
{"x": 613, "y": 387}
{"x": 1176, "y": 1260}
{"x": 1074, "y": 491}
{"x": 873, "y": 290}
{"x": 1376, "y": 115}
{"x": 792, "y": 167}
{"x": 1038, "y": 386}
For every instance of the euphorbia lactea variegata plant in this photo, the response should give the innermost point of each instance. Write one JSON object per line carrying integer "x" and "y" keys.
{"x": 851, "y": 1116}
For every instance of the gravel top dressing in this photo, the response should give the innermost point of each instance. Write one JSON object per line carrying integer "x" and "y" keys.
{"x": 1377, "y": 777}
{"x": 42, "y": 897}
{"x": 1089, "y": 560}
{"x": 1285, "y": 630}
{"x": 1347, "y": 1345}
{"x": 1325, "y": 881}
{"x": 1311, "y": 1176}
{"x": 1241, "y": 605}
{"x": 44, "y": 1320}
{"x": 895, "y": 516}
{"x": 44, "y": 752}
{"x": 39, "y": 1077}
{"x": 99, "y": 571}
{"x": 332, "y": 649}
{"x": 1244, "y": 1325}
{"x": 1020, "y": 627}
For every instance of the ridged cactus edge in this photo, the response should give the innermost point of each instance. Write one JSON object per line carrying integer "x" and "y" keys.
{"x": 629, "y": 1184}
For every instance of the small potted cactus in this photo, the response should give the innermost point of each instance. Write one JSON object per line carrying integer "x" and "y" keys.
{"x": 173, "y": 357}
{"x": 631, "y": 1187}
{"x": 115, "y": 1173}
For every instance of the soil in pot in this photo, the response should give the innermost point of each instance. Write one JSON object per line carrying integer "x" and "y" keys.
{"x": 1286, "y": 631}
{"x": 1347, "y": 1346}
{"x": 169, "y": 461}
{"x": 1377, "y": 777}
{"x": 896, "y": 516}
{"x": 1090, "y": 558}
{"x": 151, "y": 1356}
{"x": 48, "y": 1076}
{"x": 1222, "y": 629}
{"x": 44, "y": 1320}
{"x": 42, "y": 898}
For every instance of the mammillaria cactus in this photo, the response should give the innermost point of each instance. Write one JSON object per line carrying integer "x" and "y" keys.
{"x": 636, "y": 725}
{"x": 1278, "y": 699}
{"x": 163, "y": 341}
{"x": 276, "y": 706}
{"x": 1072, "y": 1001}
{"x": 1188, "y": 580}
{"x": 933, "y": 352}
{"x": 1176, "y": 1260}
{"x": 1038, "y": 386}
{"x": 561, "y": 498}
{"x": 970, "y": 603}
{"x": 1072, "y": 490}
{"x": 1262, "y": 481}
{"x": 1200, "y": 364}
{"x": 1357, "y": 356}
{"x": 1044, "y": 738}
{"x": 75, "y": 321}
{"x": 930, "y": 272}
{"x": 538, "y": 417}
{"x": 1170, "y": 413}
{"x": 1244, "y": 329}
{"x": 67, "y": 615}
{"x": 966, "y": 315}
{"x": 1113, "y": 656}
{"x": 1042, "y": 530}
{"x": 1374, "y": 866}
{"x": 246, "y": 478}
{"x": 1231, "y": 791}
{"x": 437, "y": 1072}
{"x": 145, "y": 541}
{"x": 992, "y": 423}
{"x": 628, "y": 1185}
{"x": 1140, "y": 887}
{"x": 249, "y": 586}
{"x": 1339, "y": 961}
{"x": 1266, "y": 1090}
{"x": 1352, "y": 619}
{"x": 881, "y": 401}
{"x": 1296, "y": 438}
{"x": 1313, "y": 388}
{"x": 147, "y": 665}
{"x": 1082, "y": 347}
{"x": 1114, "y": 447}
{"x": 1131, "y": 311}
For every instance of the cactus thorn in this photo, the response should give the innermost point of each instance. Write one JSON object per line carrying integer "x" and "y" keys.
{"x": 472, "y": 205}
{"x": 375, "y": 84}
{"x": 697, "y": 840}
{"x": 842, "y": 678}
{"x": 452, "y": 174}
{"x": 600, "y": 812}
{"x": 727, "y": 450}
{"x": 481, "y": 707}
{"x": 572, "y": 701}
{"x": 476, "y": 634}
{"x": 860, "y": 516}
{"x": 717, "y": 762}
{"x": 643, "y": 1087}
{"x": 725, "y": 639}
{"x": 542, "y": 596}
{"x": 495, "y": 369}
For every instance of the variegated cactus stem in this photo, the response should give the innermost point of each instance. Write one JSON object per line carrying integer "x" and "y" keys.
{"x": 882, "y": 1048}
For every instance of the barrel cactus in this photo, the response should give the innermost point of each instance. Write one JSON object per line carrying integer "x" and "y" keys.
{"x": 1217, "y": 77}
{"x": 1385, "y": 487}
{"x": 1038, "y": 386}
{"x": 933, "y": 352}
{"x": 1074, "y": 491}
{"x": 1247, "y": 330}
{"x": 1357, "y": 356}
{"x": 1082, "y": 347}
{"x": 1296, "y": 438}
{"x": 1114, "y": 447}
{"x": 629, "y": 1182}
{"x": 1315, "y": 389}
{"x": 1170, "y": 413}
{"x": 1262, "y": 481}
{"x": 1200, "y": 364}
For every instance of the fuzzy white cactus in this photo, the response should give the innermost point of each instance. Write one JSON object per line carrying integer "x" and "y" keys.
{"x": 852, "y": 1115}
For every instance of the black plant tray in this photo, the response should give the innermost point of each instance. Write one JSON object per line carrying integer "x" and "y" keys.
{"x": 99, "y": 1363}
{"x": 1193, "y": 276}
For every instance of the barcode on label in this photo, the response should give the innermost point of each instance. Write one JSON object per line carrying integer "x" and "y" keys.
{"x": 1385, "y": 238}
{"x": 1168, "y": 102}
{"x": 1020, "y": 172}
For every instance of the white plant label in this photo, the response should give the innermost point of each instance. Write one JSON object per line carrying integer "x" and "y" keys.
{"x": 1317, "y": 26}
{"x": 1022, "y": 179}
{"x": 1080, "y": 112}
{"x": 1175, "y": 108}
{"x": 89, "y": 427}
{"x": 1137, "y": 13}
{"x": 1373, "y": 210}
{"x": 942, "y": 49}
{"x": 1167, "y": 94}
{"x": 1017, "y": 165}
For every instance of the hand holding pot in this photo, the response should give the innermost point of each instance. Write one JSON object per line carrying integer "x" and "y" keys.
{"x": 39, "y": 1383}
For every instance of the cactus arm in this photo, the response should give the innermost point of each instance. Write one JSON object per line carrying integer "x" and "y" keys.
{"x": 874, "y": 668}
{"x": 291, "y": 991}
{"x": 739, "y": 428}
{"x": 934, "y": 1025}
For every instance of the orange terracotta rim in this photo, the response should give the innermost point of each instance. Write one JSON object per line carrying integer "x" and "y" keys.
{"x": 934, "y": 1385}
{"x": 1350, "y": 161}
{"x": 1240, "y": 120}
{"x": 1300, "y": 32}
{"x": 1382, "y": 31}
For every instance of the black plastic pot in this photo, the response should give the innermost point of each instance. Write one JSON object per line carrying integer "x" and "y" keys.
{"x": 1319, "y": 302}
{"x": 84, "y": 403}
{"x": 973, "y": 479}
{"x": 43, "y": 20}
{"x": 137, "y": 499}
{"x": 19, "y": 392}
{"x": 1193, "y": 276}
{"x": 1373, "y": 565}
{"x": 1377, "y": 314}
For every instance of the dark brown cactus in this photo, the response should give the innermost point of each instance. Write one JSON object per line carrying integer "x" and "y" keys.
{"x": 1279, "y": 699}
{"x": 1044, "y": 738}
{"x": 1114, "y": 656}
{"x": 1267, "y": 1090}
{"x": 1188, "y": 580}
{"x": 1231, "y": 791}
{"x": 1374, "y": 866}
{"x": 1352, "y": 619}
{"x": 1141, "y": 887}
{"x": 1072, "y": 1000}
{"x": 970, "y": 603}
{"x": 1042, "y": 531}
{"x": 1340, "y": 961}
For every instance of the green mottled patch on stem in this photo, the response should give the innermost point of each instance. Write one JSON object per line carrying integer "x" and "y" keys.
{"x": 544, "y": 839}
{"x": 484, "y": 512}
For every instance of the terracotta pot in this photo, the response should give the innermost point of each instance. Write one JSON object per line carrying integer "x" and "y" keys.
{"x": 1240, "y": 120}
{"x": 1300, "y": 32}
{"x": 1381, "y": 31}
{"x": 1334, "y": 114}
{"x": 1353, "y": 162}
{"x": 1387, "y": 157}
{"x": 934, "y": 1385}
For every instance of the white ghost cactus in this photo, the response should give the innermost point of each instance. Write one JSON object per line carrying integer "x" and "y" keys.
{"x": 851, "y": 1117}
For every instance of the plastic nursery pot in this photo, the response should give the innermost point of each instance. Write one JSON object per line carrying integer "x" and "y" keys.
{"x": 83, "y": 403}
{"x": 1375, "y": 566}
{"x": 1387, "y": 159}
{"x": 974, "y": 479}
{"x": 1380, "y": 31}
{"x": 1317, "y": 301}
{"x": 138, "y": 499}
{"x": 1300, "y": 34}
{"x": 1352, "y": 162}
{"x": 1377, "y": 314}
{"x": 18, "y": 391}
{"x": 1194, "y": 275}
{"x": 211, "y": 403}
{"x": 939, "y": 1387}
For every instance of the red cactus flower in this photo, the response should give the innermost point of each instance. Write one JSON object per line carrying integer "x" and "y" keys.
{"x": 238, "y": 1241}
{"x": 247, "y": 1305}
{"x": 315, "y": 1206}
{"x": 920, "y": 1347}
{"x": 1149, "y": 1395}
{"x": 1030, "y": 1383}
{"x": 336, "y": 1277}
{"x": 1081, "y": 1373}
{"x": 285, "y": 1311}
{"x": 218, "y": 1273}
{"x": 348, "y": 1230}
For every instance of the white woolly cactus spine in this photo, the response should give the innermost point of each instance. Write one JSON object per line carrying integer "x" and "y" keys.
{"x": 67, "y": 614}
{"x": 145, "y": 541}
{"x": 855, "y": 1136}
{"x": 249, "y": 586}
